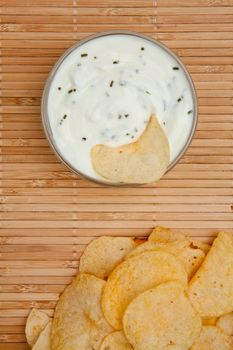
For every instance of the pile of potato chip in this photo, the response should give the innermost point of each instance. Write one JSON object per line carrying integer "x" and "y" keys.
{"x": 167, "y": 293}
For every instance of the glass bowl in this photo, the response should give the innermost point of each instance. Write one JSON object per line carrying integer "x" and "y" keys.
{"x": 45, "y": 96}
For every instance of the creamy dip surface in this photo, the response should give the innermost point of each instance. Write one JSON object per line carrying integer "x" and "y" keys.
{"x": 105, "y": 91}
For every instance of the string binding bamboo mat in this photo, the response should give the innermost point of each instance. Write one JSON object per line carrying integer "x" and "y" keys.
{"x": 47, "y": 213}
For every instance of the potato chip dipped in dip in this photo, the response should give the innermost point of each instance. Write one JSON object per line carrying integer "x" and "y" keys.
{"x": 120, "y": 108}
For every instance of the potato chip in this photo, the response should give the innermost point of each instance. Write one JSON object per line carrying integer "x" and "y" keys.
{"x": 209, "y": 321}
{"x": 144, "y": 247}
{"x": 211, "y": 289}
{"x": 142, "y": 161}
{"x": 103, "y": 254}
{"x": 134, "y": 276}
{"x": 191, "y": 258}
{"x": 139, "y": 240}
{"x": 43, "y": 341}
{"x": 78, "y": 321}
{"x": 200, "y": 245}
{"x": 212, "y": 338}
{"x": 225, "y": 322}
{"x": 162, "y": 318}
{"x": 162, "y": 234}
{"x": 36, "y": 322}
{"x": 116, "y": 341}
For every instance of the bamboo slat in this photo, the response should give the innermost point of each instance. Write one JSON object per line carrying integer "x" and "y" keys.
{"x": 48, "y": 214}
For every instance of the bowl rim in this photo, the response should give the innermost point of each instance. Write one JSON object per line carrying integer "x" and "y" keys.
{"x": 45, "y": 95}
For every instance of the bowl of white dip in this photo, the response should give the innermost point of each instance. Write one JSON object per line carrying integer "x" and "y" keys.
{"x": 104, "y": 89}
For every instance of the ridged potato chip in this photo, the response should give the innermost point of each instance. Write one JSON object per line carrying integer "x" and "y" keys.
{"x": 79, "y": 322}
{"x": 134, "y": 276}
{"x": 211, "y": 288}
{"x": 191, "y": 258}
{"x": 212, "y": 338}
{"x": 36, "y": 322}
{"x": 162, "y": 318}
{"x": 143, "y": 161}
{"x": 43, "y": 341}
{"x": 103, "y": 254}
{"x": 116, "y": 341}
{"x": 225, "y": 322}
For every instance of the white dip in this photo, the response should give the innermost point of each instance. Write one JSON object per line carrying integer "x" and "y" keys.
{"x": 105, "y": 91}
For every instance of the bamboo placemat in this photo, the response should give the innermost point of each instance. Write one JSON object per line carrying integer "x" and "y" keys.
{"x": 48, "y": 214}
